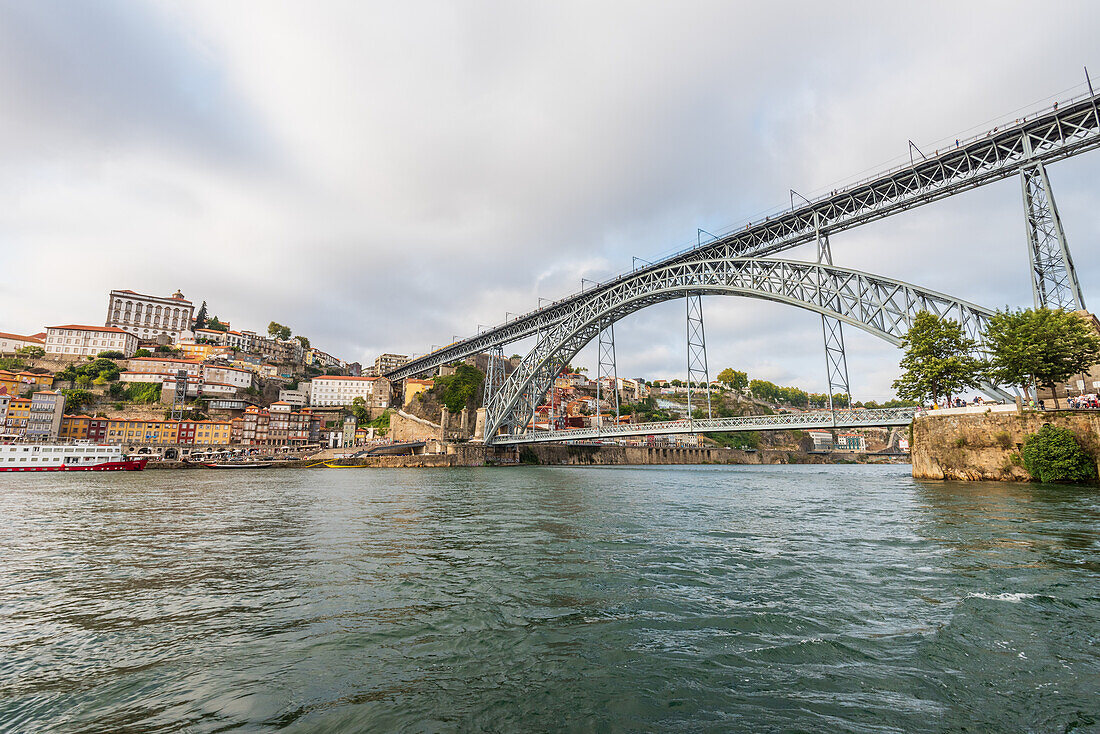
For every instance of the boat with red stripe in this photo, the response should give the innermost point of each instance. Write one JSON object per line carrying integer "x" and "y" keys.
{"x": 66, "y": 457}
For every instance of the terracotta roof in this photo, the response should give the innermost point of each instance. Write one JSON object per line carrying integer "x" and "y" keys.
{"x": 344, "y": 377}
{"x": 80, "y": 327}
{"x": 5, "y": 335}
{"x": 166, "y": 359}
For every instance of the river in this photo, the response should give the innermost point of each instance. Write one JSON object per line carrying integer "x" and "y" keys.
{"x": 671, "y": 599}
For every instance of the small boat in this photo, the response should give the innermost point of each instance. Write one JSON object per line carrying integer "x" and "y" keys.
{"x": 239, "y": 465}
{"x": 347, "y": 466}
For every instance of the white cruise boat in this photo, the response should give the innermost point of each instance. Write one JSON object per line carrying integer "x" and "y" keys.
{"x": 66, "y": 457}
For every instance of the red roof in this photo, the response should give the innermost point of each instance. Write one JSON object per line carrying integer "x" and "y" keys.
{"x": 111, "y": 329}
{"x": 5, "y": 335}
{"x": 344, "y": 377}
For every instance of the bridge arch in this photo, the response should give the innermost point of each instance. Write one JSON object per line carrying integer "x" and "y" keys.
{"x": 881, "y": 306}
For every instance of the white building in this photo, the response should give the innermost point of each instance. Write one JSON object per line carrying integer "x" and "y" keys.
{"x": 15, "y": 342}
{"x": 823, "y": 440}
{"x": 297, "y": 398}
{"x": 149, "y": 316}
{"x": 330, "y": 390}
{"x": 74, "y": 340}
{"x": 386, "y": 362}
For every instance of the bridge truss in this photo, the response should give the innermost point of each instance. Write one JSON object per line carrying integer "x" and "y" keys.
{"x": 824, "y": 419}
{"x": 881, "y": 306}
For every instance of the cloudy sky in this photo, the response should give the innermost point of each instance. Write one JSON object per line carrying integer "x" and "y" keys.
{"x": 384, "y": 176}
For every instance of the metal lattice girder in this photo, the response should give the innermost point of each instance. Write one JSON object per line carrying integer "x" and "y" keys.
{"x": 881, "y": 306}
{"x": 606, "y": 371}
{"x": 778, "y": 422}
{"x": 494, "y": 374}
{"x": 1053, "y": 277}
{"x": 696, "y": 350}
{"x": 836, "y": 360}
{"x": 1070, "y": 129}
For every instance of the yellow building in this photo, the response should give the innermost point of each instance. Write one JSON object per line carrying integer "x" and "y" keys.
{"x": 142, "y": 432}
{"x": 202, "y": 351}
{"x": 414, "y": 387}
{"x": 212, "y": 433}
{"x": 19, "y": 412}
{"x": 75, "y": 427}
{"x": 18, "y": 383}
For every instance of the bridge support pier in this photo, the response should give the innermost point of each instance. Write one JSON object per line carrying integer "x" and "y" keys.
{"x": 1053, "y": 277}
{"x": 494, "y": 374}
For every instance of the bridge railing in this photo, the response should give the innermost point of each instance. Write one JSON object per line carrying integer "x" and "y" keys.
{"x": 855, "y": 417}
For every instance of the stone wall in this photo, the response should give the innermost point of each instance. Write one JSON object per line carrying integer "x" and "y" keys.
{"x": 405, "y": 427}
{"x": 987, "y": 446}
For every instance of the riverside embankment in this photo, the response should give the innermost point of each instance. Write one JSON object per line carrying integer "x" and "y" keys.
{"x": 469, "y": 455}
{"x": 986, "y": 445}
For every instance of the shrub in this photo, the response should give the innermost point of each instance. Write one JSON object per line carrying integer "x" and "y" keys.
{"x": 960, "y": 442}
{"x": 1054, "y": 455}
{"x": 1003, "y": 439}
{"x": 31, "y": 351}
{"x": 111, "y": 354}
{"x": 143, "y": 353}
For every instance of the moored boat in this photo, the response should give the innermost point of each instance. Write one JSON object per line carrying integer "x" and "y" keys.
{"x": 66, "y": 457}
{"x": 239, "y": 465}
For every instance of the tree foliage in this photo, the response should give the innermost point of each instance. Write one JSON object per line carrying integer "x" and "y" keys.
{"x": 278, "y": 331}
{"x": 216, "y": 325}
{"x": 142, "y": 353}
{"x": 359, "y": 410}
{"x": 304, "y": 341}
{"x": 32, "y": 351}
{"x": 938, "y": 360}
{"x": 200, "y": 317}
{"x": 86, "y": 373}
{"x": 1039, "y": 346}
{"x": 111, "y": 354}
{"x": 733, "y": 379}
{"x": 1054, "y": 455}
{"x": 77, "y": 400}
{"x": 458, "y": 390}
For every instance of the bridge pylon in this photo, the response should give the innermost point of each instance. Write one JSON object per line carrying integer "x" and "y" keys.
{"x": 494, "y": 375}
{"x": 1053, "y": 277}
{"x": 696, "y": 350}
{"x": 836, "y": 361}
{"x": 606, "y": 370}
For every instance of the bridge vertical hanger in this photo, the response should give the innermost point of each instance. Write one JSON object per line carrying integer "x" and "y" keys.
{"x": 836, "y": 362}
{"x": 1053, "y": 277}
{"x": 697, "y": 349}
{"x": 606, "y": 369}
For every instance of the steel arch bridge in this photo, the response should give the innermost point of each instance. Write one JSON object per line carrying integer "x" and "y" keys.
{"x": 733, "y": 264}
{"x": 880, "y": 306}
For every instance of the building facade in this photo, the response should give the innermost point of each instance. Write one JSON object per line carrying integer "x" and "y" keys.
{"x": 75, "y": 340}
{"x": 14, "y": 342}
{"x": 44, "y": 420}
{"x": 147, "y": 317}
{"x": 329, "y": 390}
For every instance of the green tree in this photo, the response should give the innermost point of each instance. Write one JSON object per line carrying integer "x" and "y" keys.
{"x": 1054, "y": 455}
{"x": 1039, "y": 346}
{"x": 764, "y": 390}
{"x": 304, "y": 341}
{"x": 200, "y": 317}
{"x": 214, "y": 323}
{"x": 76, "y": 400}
{"x": 459, "y": 390}
{"x": 31, "y": 350}
{"x": 733, "y": 379}
{"x": 359, "y": 410}
{"x": 142, "y": 353}
{"x": 278, "y": 331}
{"x": 938, "y": 360}
{"x": 111, "y": 355}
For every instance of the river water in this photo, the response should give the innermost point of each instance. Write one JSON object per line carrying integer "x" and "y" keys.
{"x": 790, "y": 598}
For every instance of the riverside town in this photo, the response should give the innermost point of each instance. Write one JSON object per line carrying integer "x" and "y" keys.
{"x": 549, "y": 367}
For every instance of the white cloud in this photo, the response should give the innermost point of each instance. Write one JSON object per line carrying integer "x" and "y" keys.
{"x": 382, "y": 176}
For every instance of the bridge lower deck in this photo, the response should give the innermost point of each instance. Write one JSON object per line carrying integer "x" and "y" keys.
{"x": 823, "y": 419}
